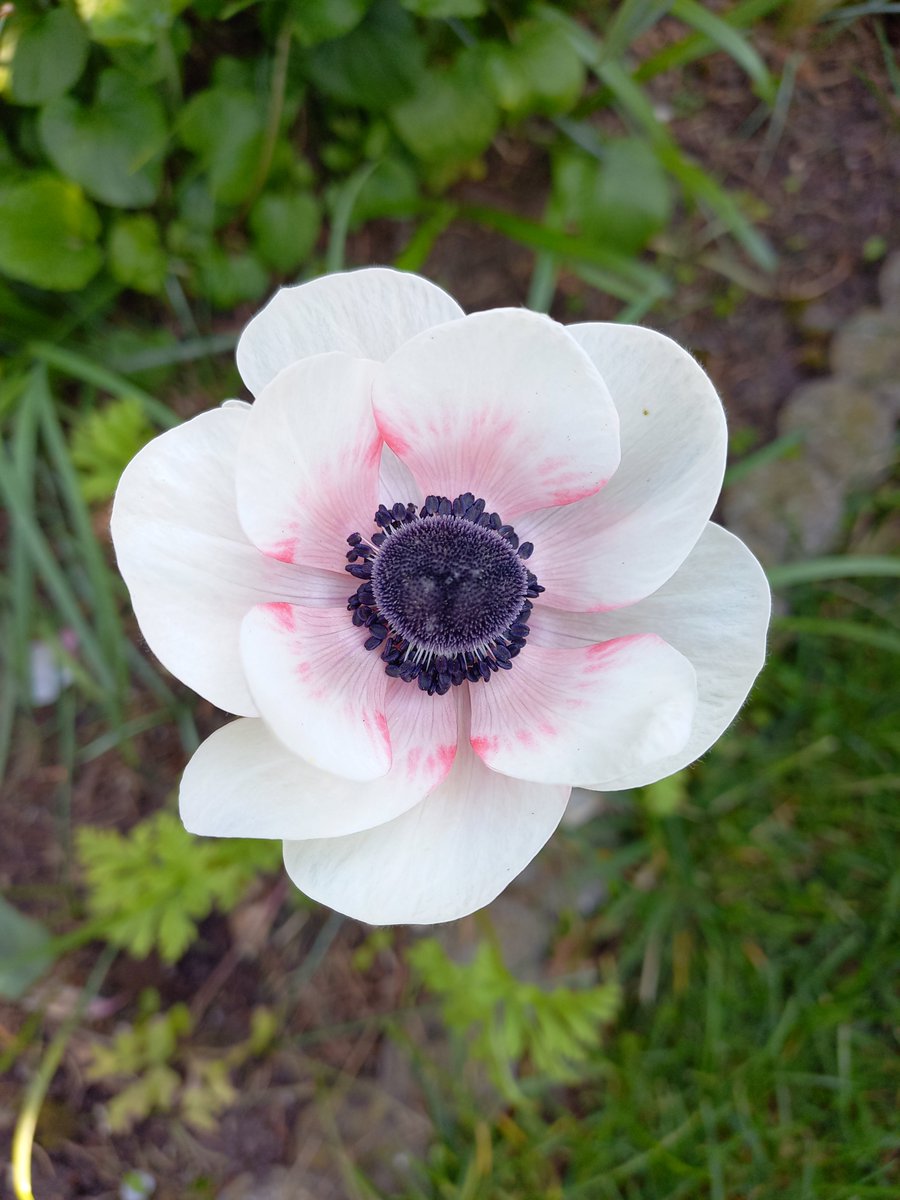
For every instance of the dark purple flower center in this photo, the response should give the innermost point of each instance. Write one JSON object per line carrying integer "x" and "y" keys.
{"x": 444, "y": 591}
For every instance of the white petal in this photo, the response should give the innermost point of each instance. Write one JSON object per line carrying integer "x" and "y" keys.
{"x": 366, "y": 313}
{"x": 715, "y": 610}
{"x": 502, "y": 404}
{"x": 395, "y": 481}
{"x": 445, "y": 858}
{"x": 307, "y": 473}
{"x": 242, "y": 782}
{"x": 317, "y": 688}
{"x": 191, "y": 571}
{"x": 578, "y": 715}
{"x": 622, "y": 544}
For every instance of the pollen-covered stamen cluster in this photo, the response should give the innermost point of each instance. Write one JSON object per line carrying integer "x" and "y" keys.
{"x": 445, "y": 593}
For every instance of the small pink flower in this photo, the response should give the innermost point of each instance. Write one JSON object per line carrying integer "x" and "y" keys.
{"x": 535, "y": 599}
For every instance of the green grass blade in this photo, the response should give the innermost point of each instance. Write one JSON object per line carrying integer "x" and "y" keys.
{"x": 838, "y": 566}
{"x": 78, "y": 367}
{"x": 100, "y": 578}
{"x": 779, "y": 447}
{"x": 336, "y": 254}
{"x": 697, "y": 45}
{"x": 726, "y": 37}
{"x": 631, "y": 279}
{"x": 853, "y": 631}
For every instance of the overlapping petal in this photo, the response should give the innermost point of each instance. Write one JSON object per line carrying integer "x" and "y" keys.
{"x": 242, "y": 782}
{"x": 190, "y": 568}
{"x": 715, "y": 611}
{"x": 365, "y": 313}
{"x": 443, "y": 859}
{"x": 579, "y": 713}
{"x": 620, "y": 545}
{"x": 317, "y": 689}
{"x": 307, "y": 472}
{"x": 501, "y": 403}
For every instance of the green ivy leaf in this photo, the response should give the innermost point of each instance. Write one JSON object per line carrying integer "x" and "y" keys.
{"x": 622, "y": 201}
{"x": 285, "y": 229}
{"x": 114, "y": 147}
{"x": 540, "y": 72}
{"x": 443, "y": 10}
{"x": 48, "y": 234}
{"x": 49, "y": 55}
{"x": 317, "y": 21}
{"x": 137, "y": 258}
{"x": 451, "y": 118}
{"x": 115, "y": 22}
{"x": 224, "y": 128}
{"x": 230, "y": 279}
{"x": 375, "y": 66}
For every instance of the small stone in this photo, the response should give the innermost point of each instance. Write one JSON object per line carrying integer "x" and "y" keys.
{"x": 848, "y": 430}
{"x": 786, "y": 509}
{"x": 867, "y": 349}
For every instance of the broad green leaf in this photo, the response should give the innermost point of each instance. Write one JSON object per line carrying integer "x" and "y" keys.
{"x": 225, "y": 129}
{"x": 137, "y": 258}
{"x": 445, "y": 9}
{"x": 285, "y": 229}
{"x": 450, "y": 118}
{"x": 48, "y": 58}
{"x": 25, "y": 951}
{"x": 540, "y": 72}
{"x": 114, "y": 22}
{"x": 375, "y": 66}
{"x": 391, "y": 190}
{"x": 621, "y": 201}
{"x": 48, "y": 234}
{"x": 315, "y": 21}
{"x": 112, "y": 148}
{"x": 229, "y": 279}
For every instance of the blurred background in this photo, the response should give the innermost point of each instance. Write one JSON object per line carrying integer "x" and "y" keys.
{"x": 692, "y": 992}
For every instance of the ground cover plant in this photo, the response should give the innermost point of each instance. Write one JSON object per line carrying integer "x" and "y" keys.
{"x": 694, "y": 993}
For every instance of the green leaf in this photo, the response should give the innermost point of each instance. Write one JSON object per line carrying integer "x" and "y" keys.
{"x": 49, "y": 56}
{"x": 285, "y": 229}
{"x": 25, "y": 952}
{"x": 540, "y": 72}
{"x": 114, "y": 147}
{"x": 229, "y": 279}
{"x": 375, "y": 66}
{"x": 48, "y": 234}
{"x": 450, "y": 119}
{"x": 113, "y": 22}
{"x": 444, "y": 10}
{"x": 621, "y": 202}
{"x": 315, "y": 21}
{"x": 137, "y": 258}
{"x": 225, "y": 127}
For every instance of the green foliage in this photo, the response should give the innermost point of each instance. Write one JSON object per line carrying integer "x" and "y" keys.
{"x": 396, "y": 101}
{"x": 104, "y": 441}
{"x": 510, "y": 1022}
{"x": 113, "y": 147}
{"x": 285, "y": 228}
{"x": 137, "y": 257}
{"x": 164, "y": 1074}
{"x": 48, "y": 234}
{"x": 49, "y": 53}
{"x": 150, "y": 888}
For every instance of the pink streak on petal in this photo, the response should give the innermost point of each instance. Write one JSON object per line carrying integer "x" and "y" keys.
{"x": 283, "y": 614}
{"x": 485, "y": 745}
{"x": 283, "y": 551}
{"x": 394, "y": 439}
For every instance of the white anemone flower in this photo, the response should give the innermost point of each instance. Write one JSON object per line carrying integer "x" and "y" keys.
{"x": 536, "y": 597}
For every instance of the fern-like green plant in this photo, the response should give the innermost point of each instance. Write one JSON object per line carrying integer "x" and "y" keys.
{"x": 104, "y": 441}
{"x": 149, "y": 888}
{"x": 510, "y": 1023}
